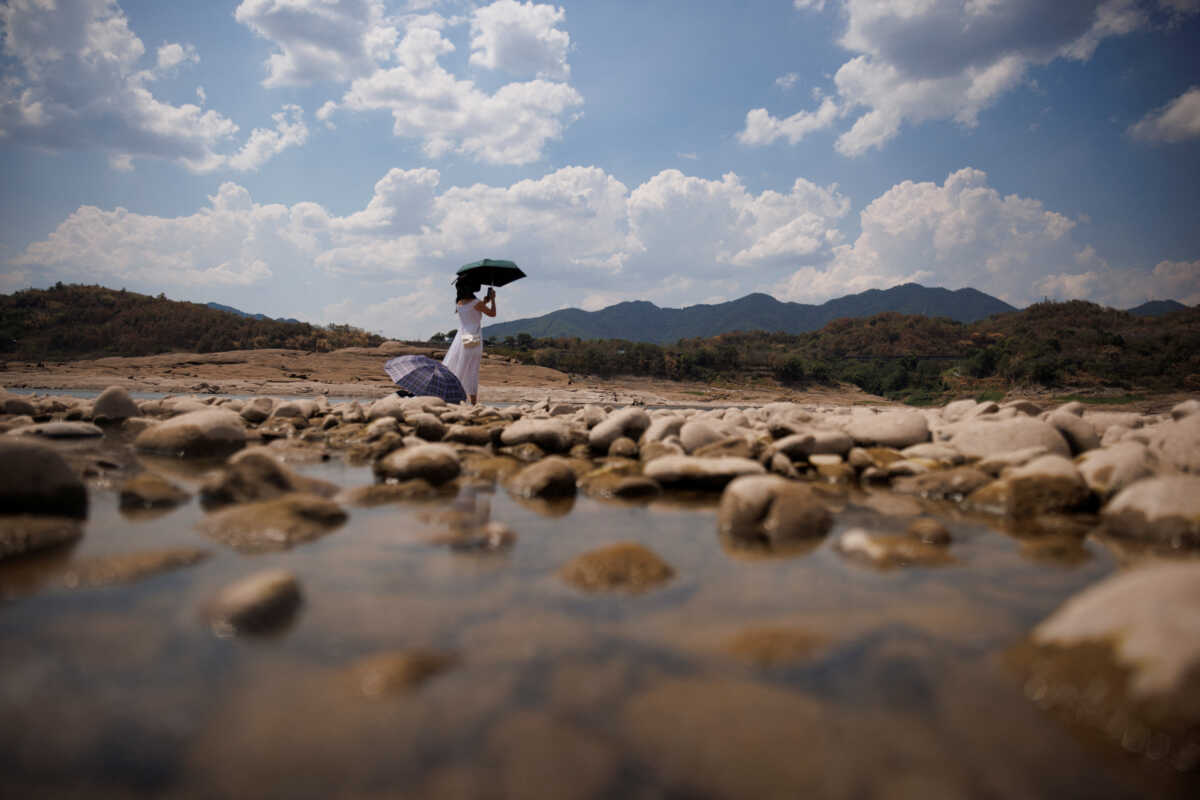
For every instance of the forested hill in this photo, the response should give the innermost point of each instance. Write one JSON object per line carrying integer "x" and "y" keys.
{"x": 73, "y": 321}
{"x": 641, "y": 321}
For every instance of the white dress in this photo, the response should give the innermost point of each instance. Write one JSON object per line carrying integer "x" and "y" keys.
{"x": 464, "y": 361}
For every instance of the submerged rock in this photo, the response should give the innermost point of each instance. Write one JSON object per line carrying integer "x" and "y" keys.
{"x": 150, "y": 490}
{"x": 129, "y": 567}
{"x": 59, "y": 430}
{"x": 892, "y": 550}
{"x": 400, "y": 671}
{"x": 771, "y": 509}
{"x": 624, "y": 566}
{"x": 35, "y": 479}
{"x": 259, "y": 603}
{"x": 773, "y": 647}
{"x": 256, "y": 474}
{"x": 277, "y": 524}
{"x": 951, "y": 484}
{"x": 26, "y": 533}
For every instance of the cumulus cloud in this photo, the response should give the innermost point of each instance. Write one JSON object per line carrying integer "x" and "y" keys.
{"x": 949, "y": 59}
{"x": 319, "y": 40}
{"x": 587, "y": 238}
{"x": 79, "y": 86}
{"x": 427, "y": 102}
{"x": 960, "y": 233}
{"x": 1177, "y": 121}
{"x": 521, "y": 38}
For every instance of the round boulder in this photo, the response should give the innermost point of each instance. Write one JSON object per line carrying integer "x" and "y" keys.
{"x": 631, "y": 422}
{"x": 889, "y": 429}
{"x": 551, "y": 435}
{"x": 1163, "y": 510}
{"x": 113, "y": 405}
{"x": 550, "y": 477}
{"x": 980, "y": 438}
{"x": 259, "y": 603}
{"x": 211, "y": 432}
{"x": 768, "y": 508}
{"x": 435, "y": 463}
{"x": 37, "y": 480}
{"x": 700, "y": 473}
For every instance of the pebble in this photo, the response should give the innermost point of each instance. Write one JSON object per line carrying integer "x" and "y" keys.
{"x": 259, "y": 603}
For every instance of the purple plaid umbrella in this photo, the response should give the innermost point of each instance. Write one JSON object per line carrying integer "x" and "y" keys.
{"x": 425, "y": 377}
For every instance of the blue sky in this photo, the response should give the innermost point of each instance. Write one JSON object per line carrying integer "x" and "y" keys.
{"x": 337, "y": 160}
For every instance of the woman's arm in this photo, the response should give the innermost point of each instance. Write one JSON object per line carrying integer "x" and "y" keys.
{"x": 488, "y": 304}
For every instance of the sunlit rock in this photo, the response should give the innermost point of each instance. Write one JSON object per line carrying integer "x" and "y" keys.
{"x": 1162, "y": 510}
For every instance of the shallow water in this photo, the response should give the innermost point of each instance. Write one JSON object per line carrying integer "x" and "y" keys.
{"x": 872, "y": 683}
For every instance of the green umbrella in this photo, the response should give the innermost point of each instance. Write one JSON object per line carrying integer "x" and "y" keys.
{"x": 491, "y": 272}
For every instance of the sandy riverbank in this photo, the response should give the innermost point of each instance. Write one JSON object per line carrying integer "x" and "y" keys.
{"x": 358, "y": 372}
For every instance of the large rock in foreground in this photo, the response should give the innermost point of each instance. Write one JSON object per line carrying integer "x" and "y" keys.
{"x": 1124, "y": 656}
{"x": 35, "y": 479}
{"x": 1163, "y": 510}
{"x": 211, "y": 432}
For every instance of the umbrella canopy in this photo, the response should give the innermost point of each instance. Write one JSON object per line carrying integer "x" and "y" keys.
{"x": 425, "y": 377}
{"x": 491, "y": 272}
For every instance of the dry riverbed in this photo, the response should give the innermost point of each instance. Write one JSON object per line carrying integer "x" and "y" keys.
{"x": 576, "y": 596}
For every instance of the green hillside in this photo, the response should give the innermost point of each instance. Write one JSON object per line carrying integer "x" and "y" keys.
{"x": 73, "y": 321}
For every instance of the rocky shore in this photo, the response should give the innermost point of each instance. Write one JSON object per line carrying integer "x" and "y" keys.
{"x": 1122, "y": 658}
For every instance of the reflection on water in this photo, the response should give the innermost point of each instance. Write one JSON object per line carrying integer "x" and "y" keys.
{"x": 750, "y": 673}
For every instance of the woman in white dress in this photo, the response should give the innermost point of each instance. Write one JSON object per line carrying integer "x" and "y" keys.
{"x": 467, "y": 348}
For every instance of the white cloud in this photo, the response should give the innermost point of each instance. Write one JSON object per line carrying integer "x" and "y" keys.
{"x": 787, "y": 82}
{"x": 762, "y": 128}
{"x": 521, "y": 38}
{"x": 264, "y": 144}
{"x": 924, "y": 60}
{"x": 815, "y": 5}
{"x": 319, "y": 40}
{"x": 173, "y": 54}
{"x": 79, "y": 86}
{"x": 427, "y": 102}
{"x": 1178, "y": 121}
{"x": 961, "y": 233}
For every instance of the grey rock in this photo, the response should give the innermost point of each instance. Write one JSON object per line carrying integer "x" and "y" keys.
{"x": 701, "y": 473}
{"x": 696, "y": 433}
{"x": 258, "y": 410}
{"x": 35, "y": 479}
{"x": 1109, "y": 470}
{"x": 982, "y": 438}
{"x": 663, "y": 426}
{"x": 631, "y": 422}
{"x": 550, "y": 435}
{"x": 889, "y": 429}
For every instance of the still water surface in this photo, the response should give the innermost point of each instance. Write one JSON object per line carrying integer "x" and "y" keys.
{"x": 879, "y": 683}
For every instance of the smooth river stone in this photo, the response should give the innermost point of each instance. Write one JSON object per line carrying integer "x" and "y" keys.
{"x": 35, "y": 479}
{"x": 769, "y": 508}
{"x": 624, "y": 566}
{"x": 704, "y": 473}
{"x": 1162, "y": 510}
{"x": 631, "y": 422}
{"x": 213, "y": 431}
{"x": 889, "y": 429}
{"x": 258, "y": 603}
{"x": 436, "y": 463}
{"x": 981, "y": 438}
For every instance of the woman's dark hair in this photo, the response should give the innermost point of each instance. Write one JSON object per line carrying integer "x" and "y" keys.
{"x": 465, "y": 290}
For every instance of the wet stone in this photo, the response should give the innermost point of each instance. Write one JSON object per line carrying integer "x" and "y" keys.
{"x": 35, "y": 479}
{"x": 624, "y": 566}
{"x": 150, "y": 490}
{"x": 492, "y": 537}
{"x": 259, "y": 603}
{"x": 277, "y": 524}
{"x": 255, "y": 474}
{"x": 699, "y": 473}
{"x": 1163, "y": 510}
{"x": 653, "y": 450}
{"x": 549, "y": 435}
{"x": 951, "y": 484}
{"x": 1046, "y": 484}
{"x": 379, "y": 494}
{"x": 209, "y": 432}
{"x": 25, "y": 533}
{"x": 928, "y": 530}
{"x": 550, "y": 477}
{"x": 474, "y": 435}
{"x": 426, "y": 426}
{"x": 129, "y": 567}
{"x": 59, "y": 430}
{"x": 257, "y": 410}
{"x": 771, "y": 509}
{"x": 435, "y": 463}
{"x": 624, "y": 447}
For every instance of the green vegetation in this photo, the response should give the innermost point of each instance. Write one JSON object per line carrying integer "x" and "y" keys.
{"x": 73, "y": 321}
{"x": 916, "y": 359}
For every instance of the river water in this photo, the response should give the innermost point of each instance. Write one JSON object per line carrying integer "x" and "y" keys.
{"x": 748, "y": 674}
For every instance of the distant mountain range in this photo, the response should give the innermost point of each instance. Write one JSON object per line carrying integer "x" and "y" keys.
{"x": 641, "y": 321}
{"x": 241, "y": 313}
{"x": 1156, "y": 308}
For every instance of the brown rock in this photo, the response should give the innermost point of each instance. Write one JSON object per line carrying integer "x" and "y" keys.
{"x": 149, "y": 490}
{"x": 772, "y": 647}
{"x": 435, "y": 463}
{"x": 550, "y": 477}
{"x": 25, "y": 533}
{"x": 260, "y": 603}
{"x": 277, "y": 524}
{"x": 624, "y": 566}
{"x": 950, "y": 484}
{"x": 210, "y": 432}
{"x": 35, "y": 479}
{"x": 768, "y": 508}
{"x": 255, "y": 474}
{"x": 400, "y": 671}
{"x": 1046, "y": 484}
{"x": 129, "y": 567}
